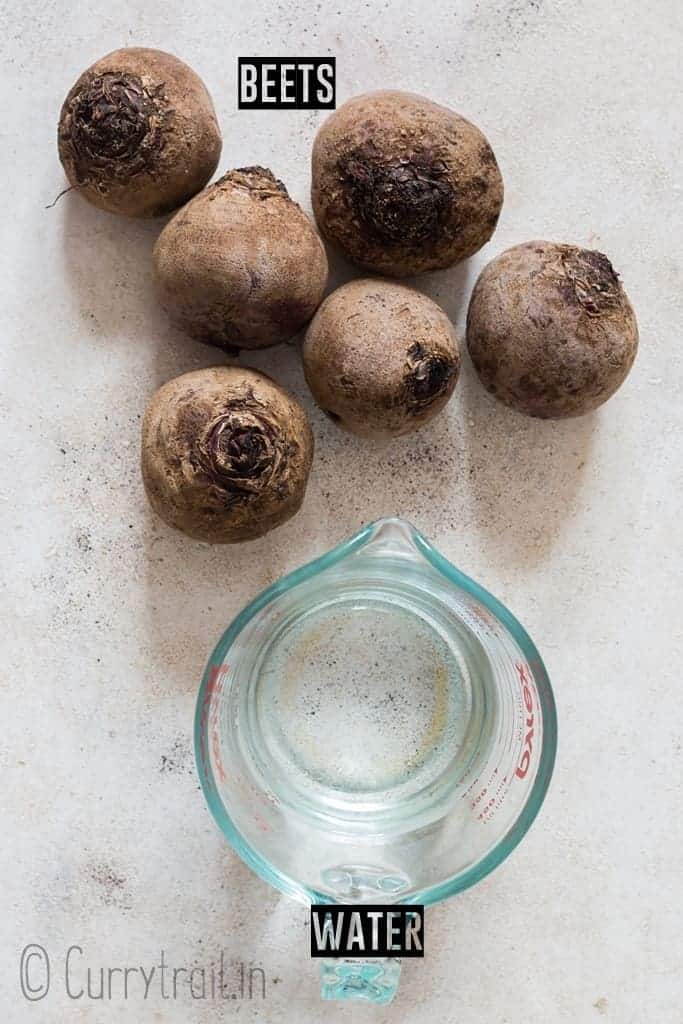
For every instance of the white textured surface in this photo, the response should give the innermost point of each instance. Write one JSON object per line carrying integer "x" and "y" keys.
{"x": 108, "y": 616}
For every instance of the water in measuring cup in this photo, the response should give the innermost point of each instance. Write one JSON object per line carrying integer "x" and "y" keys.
{"x": 367, "y": 706}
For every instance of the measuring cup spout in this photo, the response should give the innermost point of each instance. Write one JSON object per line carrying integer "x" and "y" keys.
{"x": 392, "y": 536}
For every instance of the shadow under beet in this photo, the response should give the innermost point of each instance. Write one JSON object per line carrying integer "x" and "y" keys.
{"x": 523, "y": 475}
{"x": 108, "y": 266}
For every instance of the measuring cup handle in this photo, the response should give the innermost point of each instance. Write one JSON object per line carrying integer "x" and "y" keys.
{"x": 375, "y": 981}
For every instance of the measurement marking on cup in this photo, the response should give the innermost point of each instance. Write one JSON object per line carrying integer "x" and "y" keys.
{"x": 495, "y": 801}
{"x": 209, "y": 718}
{"x": 525, "y": 760}
{"x": 486, "y": 795}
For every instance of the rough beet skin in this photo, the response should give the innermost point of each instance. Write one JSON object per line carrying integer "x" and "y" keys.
{"x": 381, "y": 359}
{"x": 138, "y": 133}
{"x": 403, "y": 185}
{"x": 241, "y": 266}
{"x": 226, "y": 454}
{"x": 550, "y": 329}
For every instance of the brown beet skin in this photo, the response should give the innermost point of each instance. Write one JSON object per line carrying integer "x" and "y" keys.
{"x": 381, "y": 359}
{"x": 138, "y": 133}
{"x": 403, "y": 185}
{"x": 550, "y": 329}
{"x": 226, "y": 454}
{"x": 241, "y": 266}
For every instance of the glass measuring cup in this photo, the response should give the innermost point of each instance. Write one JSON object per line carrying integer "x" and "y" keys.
{"x": 375, "y": 727}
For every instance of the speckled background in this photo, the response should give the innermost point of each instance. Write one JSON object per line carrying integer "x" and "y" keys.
{"x": 108, "y": 615}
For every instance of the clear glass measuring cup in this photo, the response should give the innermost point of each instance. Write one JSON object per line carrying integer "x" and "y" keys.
{"x": 375, "y": 727}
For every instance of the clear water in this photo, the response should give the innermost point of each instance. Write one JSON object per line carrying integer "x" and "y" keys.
{"x": 364, "y": 705}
